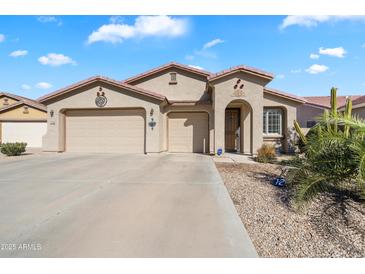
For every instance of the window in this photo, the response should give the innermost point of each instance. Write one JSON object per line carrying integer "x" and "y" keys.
{"x": 173, "y": 79}
{"x": 6, "y": 102}
{"x": 311, "y": 124}
{"x": 272, "y": 121}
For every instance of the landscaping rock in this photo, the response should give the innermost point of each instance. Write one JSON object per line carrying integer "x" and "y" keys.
{"x": 328, "y": 227}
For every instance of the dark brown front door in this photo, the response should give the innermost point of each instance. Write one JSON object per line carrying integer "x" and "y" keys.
{"x": 232, "y": 129}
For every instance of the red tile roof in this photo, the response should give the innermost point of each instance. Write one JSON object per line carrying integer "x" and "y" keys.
{"x": 105, "y": 80}
{"x": 164, "y": 67}
{"x": 22, "y": 100}
{"x": 231, "y": 70}
{"x": 325, "y": 101}
{"x": 285, "y": 95}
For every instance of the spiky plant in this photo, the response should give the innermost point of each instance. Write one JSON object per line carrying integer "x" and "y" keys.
{"x": 334, "y": 113}
{"x": 334, "y": 155}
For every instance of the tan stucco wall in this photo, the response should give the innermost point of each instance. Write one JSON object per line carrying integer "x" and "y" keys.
{"x": 307, "y": 113}
{"x": 290, "y": 114}
{"x": 11, "y": 101}
{"x": 188, "y": 87}
{"x": 17, "y": 114}
{"x": 253, "y": 96}
{"x": 85, "y": 99}
{"x": 197, "y": 108}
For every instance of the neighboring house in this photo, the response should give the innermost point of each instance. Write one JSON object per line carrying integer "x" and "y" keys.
{"x": 307, "y": 113}
{"x": 22, "y": 120}
{"x": 173, "y": 108}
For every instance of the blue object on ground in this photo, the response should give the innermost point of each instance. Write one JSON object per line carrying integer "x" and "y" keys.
{"x": 219, "y": 151}
{"x": 279, "y": 181}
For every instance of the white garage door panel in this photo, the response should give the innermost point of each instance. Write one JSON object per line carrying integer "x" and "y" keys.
{"x": 188, "y": 132}
{"x": 28, "y": 132}
{"x": 105, "y": 131}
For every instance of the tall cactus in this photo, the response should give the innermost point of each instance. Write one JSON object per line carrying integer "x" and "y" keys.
{"x": 347, "y": 115}
{"x": 334, "y": 107}
{"x": 298, "y": 129}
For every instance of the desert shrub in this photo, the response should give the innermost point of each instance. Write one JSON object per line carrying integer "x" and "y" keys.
{"x": 13, "y": 149}
{"x": 266, "y": 153}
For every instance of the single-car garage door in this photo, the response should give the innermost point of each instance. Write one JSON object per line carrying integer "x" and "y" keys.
{"x": 188, "y": 132}
{"x": 102, "y": 130}
{"x": 28, "y": 132}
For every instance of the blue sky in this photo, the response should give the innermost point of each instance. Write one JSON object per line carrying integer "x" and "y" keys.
{"x": 41, "y": 54}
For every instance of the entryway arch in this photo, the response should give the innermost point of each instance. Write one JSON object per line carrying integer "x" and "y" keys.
{"x": 238, "y": 127}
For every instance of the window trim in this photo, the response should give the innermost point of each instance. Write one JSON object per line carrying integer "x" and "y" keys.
{"x": 281, "y": 121}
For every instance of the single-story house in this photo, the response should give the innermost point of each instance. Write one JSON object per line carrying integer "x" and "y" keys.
{"x": 315, "y": 106}
{"x": 174, "y": 108}
{"x": 22, "y": 120}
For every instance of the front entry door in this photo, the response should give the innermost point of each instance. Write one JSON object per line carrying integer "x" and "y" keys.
{"x": 232, "y": 129}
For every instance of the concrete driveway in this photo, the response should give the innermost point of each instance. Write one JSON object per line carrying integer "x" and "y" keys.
{"x": 110, "y": 205}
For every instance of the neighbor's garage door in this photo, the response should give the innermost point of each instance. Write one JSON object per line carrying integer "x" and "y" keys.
{"x": 28, "y": 132}
{"x": 105, "y": 131}
{"x": 188, "y": 132}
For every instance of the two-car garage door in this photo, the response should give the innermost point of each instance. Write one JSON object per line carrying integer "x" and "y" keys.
{"x": 100, "y": 130}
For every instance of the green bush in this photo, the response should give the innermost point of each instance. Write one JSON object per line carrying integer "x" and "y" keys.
{"x": 266, "y": 153}
{"x": 13, "y": 149}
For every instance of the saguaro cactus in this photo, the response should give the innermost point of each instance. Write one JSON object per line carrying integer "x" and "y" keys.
{"x": 347, "y": 115}
{"x": 334, "y": 107}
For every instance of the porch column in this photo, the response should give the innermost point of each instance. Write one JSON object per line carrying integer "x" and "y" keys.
{"x": 219, "y": 128}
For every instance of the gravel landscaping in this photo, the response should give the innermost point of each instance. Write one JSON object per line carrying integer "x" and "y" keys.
{"x": 329, "y": 227}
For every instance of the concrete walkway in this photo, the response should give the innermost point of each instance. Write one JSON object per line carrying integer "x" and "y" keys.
{"x": 110, "y": 205}
{"x": 237, "y": 158}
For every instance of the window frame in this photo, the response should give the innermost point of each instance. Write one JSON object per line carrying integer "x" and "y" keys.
{"x": 173, "y": 75}
{"x": 265, "y": 117}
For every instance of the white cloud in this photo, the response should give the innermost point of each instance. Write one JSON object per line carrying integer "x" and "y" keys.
{"x": 43, "y": 85}
{"x": 204, "y": 51}
{"x": 196, "y": 67}
{"x": 213, "y": 43}
{"x": 18, "y": 53}
{"x": 315, "y": 69}
{"x": 336, "y": 52}
{"x": 26, "y": 87}
{"x": 313, "y": 56}
{"x": 313, "y": 21}
{"x": 143, "y": 26}
{"x": 296, "y": 71}
{"x": 280, "y": 76}
{"x": 2, "y": 37}
{"x": 116, "y": 19}
{"x": 54, "y": 59}
{"x": 49, "y": 19}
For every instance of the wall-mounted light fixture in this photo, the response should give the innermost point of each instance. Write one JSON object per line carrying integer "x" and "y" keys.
{"x": 51, "y": 113}
{"x": 151, "y": 112}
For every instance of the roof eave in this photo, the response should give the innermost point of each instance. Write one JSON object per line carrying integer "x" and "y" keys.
{"x": 94, "y": 79}
{"x": 285, "y": 96}
{"x": 165, "y": 67}
{"x": 264, "y": 76}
